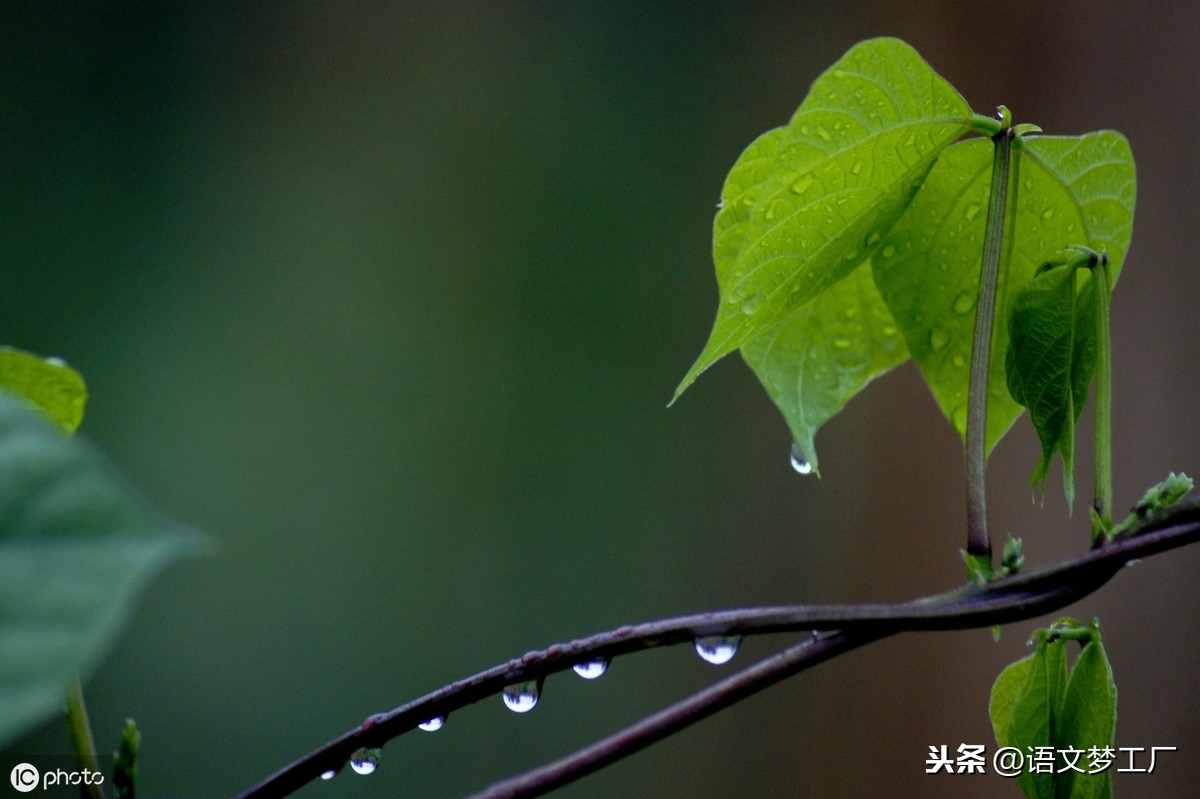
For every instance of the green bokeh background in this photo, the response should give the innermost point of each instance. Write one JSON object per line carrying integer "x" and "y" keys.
{"x": 390, "y": 298}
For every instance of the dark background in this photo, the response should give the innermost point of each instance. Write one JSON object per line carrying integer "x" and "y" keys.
{"x": 390, "y": 298}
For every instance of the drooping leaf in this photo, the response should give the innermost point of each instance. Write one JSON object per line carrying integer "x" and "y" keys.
{"x": 817, "y": 359}
{"x": 1025, "y": 702}
{"x": 76, "y": 546}
{"x": 1051, "y": 358}
{"x": 47, "y": 384}
{"x": 807, "y": 203}
{"x": 1070, "y": 190}
{"x": 1089, "y": 719}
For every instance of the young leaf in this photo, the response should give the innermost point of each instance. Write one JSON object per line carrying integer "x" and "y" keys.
{"x": 1051, "y": 359}
{"x": 1024, "y": 705}
{"x": 47, "y": 384}
{"x": 1088, "y": 719}
{"x": 817, "y": 359}
{"x": 76, "y": 546}
{"x": 1069, "y": 190}
{"x": 807, "y": 203}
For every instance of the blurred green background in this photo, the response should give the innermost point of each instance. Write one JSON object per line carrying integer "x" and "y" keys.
{"x": 390, "y": 298}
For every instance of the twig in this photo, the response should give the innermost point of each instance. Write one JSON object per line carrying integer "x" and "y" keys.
{"x": 1001, "y": 601}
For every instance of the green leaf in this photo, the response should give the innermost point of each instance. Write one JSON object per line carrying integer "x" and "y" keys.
{"x": 807, "y": 203}
{"x": 1025, "y": 701}
{"x": 47, "y": 384}
{"x": 1051, "y": 358}
{"x": 827, "y": 351}
{"x": 1070, "y": 190}
{"x": 76, "y": 546}
{"x": 1088, "y": 719}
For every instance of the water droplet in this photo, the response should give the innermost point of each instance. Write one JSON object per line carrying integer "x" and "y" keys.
{"x": 803, "y": 184}
{"x": 938, "y": 340}
{"x": 365, "y": 761}
{"x": 973, "y": 209}
{"x": 888, "y": 251}
{"x": 854, "y": 170}
{"x": 842, "y": 343}
{"x": 521, "y": 697}
{"x": 328, "y": 775}
{"x": 958, "y": 360}
{"x": 433, "y": 725}
{"x": 964, "y": 302}
{"x": 888, "y": 330}
{"x": 960, "y": 417}
{"x": 800, "y": 462}
{"x": 824, "y": 134}
{"x": 591, "y": 669}
{"x": 1048, "y": 213}
{"x": 873, "y": 238}
{"x": 718, "y": 649}
{"x": 751, "y": 303}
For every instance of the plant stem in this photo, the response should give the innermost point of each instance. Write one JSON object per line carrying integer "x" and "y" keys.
{"x": 1001, "y": 601}
{"x": 979, "y": 545}
{"x": 81, "y": 738}
{"x": 1103, "y": 447}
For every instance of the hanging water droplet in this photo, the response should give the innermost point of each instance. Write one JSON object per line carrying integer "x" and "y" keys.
{"x": 799, "y": 460}
{"x": 521, "y": 697}
{"x": 591, "y": 669}
{"x": 718, "y": 649}
{"x": 365, "y": 761}
{"x": 433, "y": 725}
{"x": 328, "y": 775}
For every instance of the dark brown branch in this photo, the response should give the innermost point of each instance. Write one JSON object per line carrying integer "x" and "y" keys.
{"x": 1002, "y": 601}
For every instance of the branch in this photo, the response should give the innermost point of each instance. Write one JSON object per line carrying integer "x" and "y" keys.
{"x": 1001, "y": 601}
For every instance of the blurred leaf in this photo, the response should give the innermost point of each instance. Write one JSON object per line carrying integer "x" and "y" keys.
{"x": 1024, "y": 702}
{"x": 76, "y": 546}
{"x": 1051, "y": 358}
{"x": 814, "y": 362}
{"x": 1070, "y": 190}
{"x": 47, "y": 384}
{"x": 806, "y": 204}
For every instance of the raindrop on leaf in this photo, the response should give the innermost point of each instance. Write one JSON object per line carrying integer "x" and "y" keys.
{"x": 800, "y": 463}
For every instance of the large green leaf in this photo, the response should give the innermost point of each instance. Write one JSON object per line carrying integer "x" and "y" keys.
{"x": 1070, "y": 191}
{"x": 818, "y": 358}
{"x": 1052, "y": 357}
{"x": 76, "y": 546}
{"x": 46, "y": 384}
{"x": 807, "y": 203}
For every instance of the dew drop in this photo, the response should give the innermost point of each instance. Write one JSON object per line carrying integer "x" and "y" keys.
{"x": 328, "y": 775}
{"x": 824, "y": 134}
{"x": 960, "y": 417}
{"x": 964, "y": 303}
{"x": 521, "y": 697}
{"x": 718, "y": 649}
{"x": 800, "y": 464}
{"x": 592, "y": 669}
{"x": 1048, "y": 213}
{"x": 842, "y": 343}
{"x": 958, "y": 360}
{"x": 888, "y": 250}
{"x": 365, "y": 761}
{"x": 888, "y": 330}
{"x": 854, "y": 170}
{"x": 803, "y": 184}
{"x": 938, "y": 340}
{"x": 751, "y": 303}
{"x": 972, "y": 210}
{"x": 433, "y": 725}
